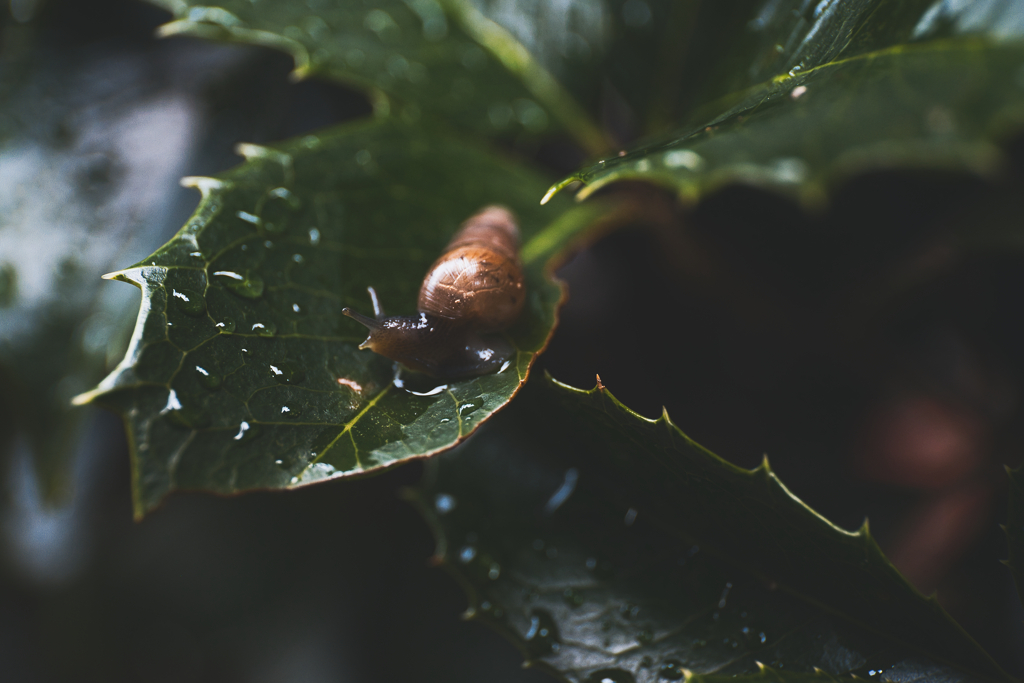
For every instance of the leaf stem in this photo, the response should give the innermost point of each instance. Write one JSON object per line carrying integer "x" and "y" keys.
{"x": 516, "y": 58}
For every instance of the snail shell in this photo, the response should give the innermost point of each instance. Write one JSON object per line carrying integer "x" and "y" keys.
{"x": 479, "y": 279}
{"x": 473, "y": 290}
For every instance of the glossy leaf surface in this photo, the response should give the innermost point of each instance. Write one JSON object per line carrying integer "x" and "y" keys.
{"x": 856, "y": 86}
{"x": 244, "y": 374}
{"x": 1015, "y": 528}
{"x": 612, "y": 547}
{"x": 442, "y": 58}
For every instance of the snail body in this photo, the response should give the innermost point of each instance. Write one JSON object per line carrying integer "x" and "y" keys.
{"x": 472, "y": 291}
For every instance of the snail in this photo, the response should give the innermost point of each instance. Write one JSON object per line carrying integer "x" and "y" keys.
{"x": 475, "y": 289}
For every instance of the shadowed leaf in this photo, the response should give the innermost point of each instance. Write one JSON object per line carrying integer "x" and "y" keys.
{"x": 858, "y": 85}
{"x": 436, "y": 57}
{"x": 610, "y": 547}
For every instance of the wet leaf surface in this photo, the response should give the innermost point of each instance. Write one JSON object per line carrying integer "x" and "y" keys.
{"x": 857, "y": 86}
{"x": 441, "y": 58}
{"x": 610, "y": 547}
{"x": 244, "y": 374}
{"x": 1015, "y": 528}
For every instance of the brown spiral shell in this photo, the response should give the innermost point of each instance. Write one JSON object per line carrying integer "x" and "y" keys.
{"x": 478, "y": 281}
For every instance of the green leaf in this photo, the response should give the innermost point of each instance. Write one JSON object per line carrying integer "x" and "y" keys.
{"x": 611, "y": 547}
{"x": 865, "y": 85}
{"x": 242, "y": 372}
{"x": 437, "y": 57}
{"x": 1015, "y": 528}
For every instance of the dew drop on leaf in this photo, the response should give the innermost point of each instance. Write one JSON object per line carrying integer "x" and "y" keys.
{"x": 611, "y": 676}
{"x": 542, "y": 636}
{"x": 226, "y": 326}
{"x": 671, "y": 670}
{"x": 247, "y": 286}
{"x": 278, "y": 208}
{"x": 264, "y": 329}
{"x": 287, "y": 372}
{"x": 189, "y": 301}
{"x": 208, "y": 379}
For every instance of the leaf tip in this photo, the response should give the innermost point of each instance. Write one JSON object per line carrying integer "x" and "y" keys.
{"x": 549, "y": 194}
{"x": 172, "y": 28}
{"x": 85, "y": 398}
{"x": 865, "y": 529}
{"x": 204, "y": 184}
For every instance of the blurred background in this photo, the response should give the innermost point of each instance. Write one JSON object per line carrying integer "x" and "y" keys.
{"x": 873, "y": 352}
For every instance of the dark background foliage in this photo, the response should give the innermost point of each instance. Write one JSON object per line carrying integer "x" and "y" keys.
{"x": 822, "y": 340}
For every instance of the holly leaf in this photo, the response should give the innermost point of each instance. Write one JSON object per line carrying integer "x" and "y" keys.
{"x": 242, "y": 372}
{"x": 609, "y": 547}
{"x": 438, "y": 57}
{"x": 1015, "y": 528}
{"x": 848, "y": 87}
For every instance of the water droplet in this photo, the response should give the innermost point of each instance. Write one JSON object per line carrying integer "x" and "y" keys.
{"x": 542, "y": 634}
{"x": 494, "y": 571}
{"x": 291, "y": 411}
{"x": 467, "y": 554}
{"x": 209, "y": 380}
{"x": 798, "y": 92}
{"x": 611, "y": 676}
{"x": 296, "y": 308}
{"x": 264, "y": 329}
{"x": 683, "y": 158}
{"x": 248, "y": 217}
{"x": 444, "y": 503}
{"x": 248, "y": 286}
{"x": 363, "y": 157}
{"x": 287, "y": 372}
{"x": 226, "y": 326}
{"x": 297, "y": 258}
{"x": 591, "y": 563}
{"x": 762, "y": 637}
{"x": 189, "y": 302}
{"x": 278, "y": 208}
{"x": 643, "y": 166}
{"x": 243, "y": 427}
{"x": 314, "y": 236}
{"x": 725, "y": 595}
{"x": 671, "y": 670}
